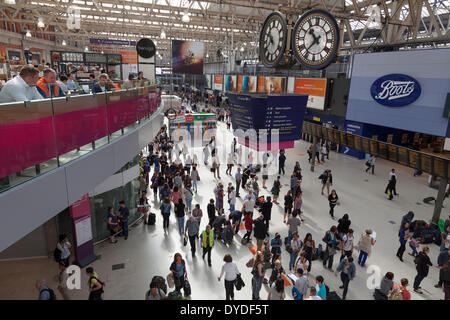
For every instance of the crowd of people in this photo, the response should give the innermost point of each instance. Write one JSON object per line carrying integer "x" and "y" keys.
{"x": 171, "y": 173}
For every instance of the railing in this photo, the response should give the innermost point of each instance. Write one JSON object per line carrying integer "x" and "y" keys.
{"x": 38, "y": 136}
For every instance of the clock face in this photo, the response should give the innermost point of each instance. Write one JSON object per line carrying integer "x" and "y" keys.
{"x": 315, "y": 39}
{"x": 272, "y": 40}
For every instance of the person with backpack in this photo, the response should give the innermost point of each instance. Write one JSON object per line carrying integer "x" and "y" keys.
{"x": 327, "y": 180}
{"x": 348, "y": 271}
{"x": 370, "y": 163}
{"x": 65, "y": 248}
{"x": 94, "y": 284}
{"x": 45, "y": 293}
{"x": 231, "y": 273}
{"x": 207, "y": 239}
{"x": 423, "y": 264}
{"x": 332, "y": 241}
{"x": 155, "y": 293}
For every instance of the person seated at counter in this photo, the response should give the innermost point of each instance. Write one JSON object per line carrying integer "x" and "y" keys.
{"x": 70, "y": 82}
{"x": 63, "y": 84}
{"x": 47, "y": 85}
{"x": 101, "y": 86}
{"x": 22, "y": 87}
{"x": 128, "y": 84}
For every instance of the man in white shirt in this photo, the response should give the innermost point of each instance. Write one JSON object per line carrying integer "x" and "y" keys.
{"x": 392, "y": 176}
{"x": 347, "y": 240}
{"x": 22, "y": 87}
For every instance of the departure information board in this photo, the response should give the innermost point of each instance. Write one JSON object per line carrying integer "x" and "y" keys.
{"x": 426, "y": 162}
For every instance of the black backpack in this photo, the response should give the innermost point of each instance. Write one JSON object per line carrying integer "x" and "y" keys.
{"x": 102, "y": 283}
{"x": 57, "y": 255}
{"x": 51, "y": 293}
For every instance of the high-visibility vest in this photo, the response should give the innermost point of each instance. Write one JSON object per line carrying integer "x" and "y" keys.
{"x": 211, "y": 238}
{"x": 44, "y": 87}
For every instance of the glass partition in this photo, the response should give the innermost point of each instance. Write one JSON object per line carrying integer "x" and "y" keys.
{"x": 38, "y": 136}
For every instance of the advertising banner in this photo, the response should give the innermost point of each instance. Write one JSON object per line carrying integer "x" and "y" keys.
{"x": 261, "y": 84}
{"x": 405, "y": 90}
{"x": 231, "y": 83}
{"x": 315, "y": 88}
{"x": 129, "y": 57}
{"x": 274, "y": 85}
{"x": 208, "y": 81}
{"x": 240, "y": 80}
{"x": 187, "y": 57}
{"x": 80, "y": 208}
{"x": 248, "y": 84}
{"x": 218, "y": 82}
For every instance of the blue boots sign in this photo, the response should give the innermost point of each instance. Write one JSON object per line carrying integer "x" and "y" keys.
{"x": 395, "y": 90}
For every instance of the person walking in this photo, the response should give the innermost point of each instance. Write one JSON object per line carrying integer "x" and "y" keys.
{"x": 230, "y": 164}
{"x": 238, "y": 177}
{"x": 365, "y": 247}
{"x": 166, "y": 208}
{"x": 332, "y": 241}
{"x": 423, "y": 264}
{"x": 112, "y": 224}
{"x": 323, "y": 150}
{"x": 211, "y": 209}
{"x": 370, "y": 163}
{"x": 178, "y": 268}
{"x": 298, "y": 202}
{"x": 258, "y": 275}
{"x": 62, "y": 282}
{"x": 232, "y": 199}
{"x": 220, "y": 196}
{"x": 248, "y": 221}
{"x": 188, "y": 196}
{"x": 276, "y": 244}
{"x": 95, "y": 286}
{"x": 215, "y": 167}
{"x": 195, "y": 178}
{"x": 347, "y": 245}
{"x": 277, "y": 291}
{"x": 318, "y": 152}
{"x": 332, "y": 200}
{"x": 293, "y": 222}
{"x": 301, "y": 284}
{"x": 205, "y": 154}
{"x": 180, "y": 211}
{"x": 403, "y": 237}
{"x": 65, "y": 248}
{"x": 124, "y": 214}
{"x": 191, "y": 230}
{"x": 310, "y": 153}
{"x": 348, "y": 271}
{"x": 207, "y": 239}
{"x": 343, "y": 225}
{"x": 276, "y": 190}
{"x": 265, "y": 175}
{"x": 327, "y": 180}
{"x": 288, "y": 205}
{"x": 392, "y": 183}
{"x": 231, "y": 273}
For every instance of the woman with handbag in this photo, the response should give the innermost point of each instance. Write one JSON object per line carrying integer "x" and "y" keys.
{"x": 309, "y": 247}
{"x": 258, "y": 275}
{"x": 178, "y": 268}
{"x": 113, "y": 225}
{"x": 231, "y": 273}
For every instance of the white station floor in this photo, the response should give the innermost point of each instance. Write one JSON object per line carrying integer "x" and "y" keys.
{"x": 147, "y": 252}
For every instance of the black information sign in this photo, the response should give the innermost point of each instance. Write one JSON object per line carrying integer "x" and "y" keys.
{"x": 337, "y": 137}
{"x": 95, "y": 58}
{"x": 403, "y": 156}
{"x": 114, "y": 59}
{"x": 439, "y": 168}
{"x": 343, "y": 139}
{"x": 145, "y": 48}
{"x": 392, "y": 153}
{"x": 358, "y": 143}
{"x": 382, "y": 150}
{"x": 414, "y": 159}
{"x": 425, "y": 162}
{"x": 373, "y": 147}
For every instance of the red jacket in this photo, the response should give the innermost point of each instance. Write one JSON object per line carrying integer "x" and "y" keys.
{"x": 248, "y": 223}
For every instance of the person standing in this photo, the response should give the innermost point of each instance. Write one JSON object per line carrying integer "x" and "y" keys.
{"x": 266, "y": 210}
{"x": 370, "y": 163}
{"x": 258, "y": 275}
{"x": 423, "y": 265}
{"x": 248, "y": 221}
{"x": 276, "y": 190}
{"x": 403, "y": 237}
{"x": 344, "y": 225}
{"x": 205, "y": 154}
{"x": 347, "y": 245}
{"x": 441, "y": 261}
{"x": 188, "y": 196}
{"x": 238, "y": 177}
{"x": 323, "y": 150}
{"x": 66, "y": 248}
{"x": 276, "y": 244}
{"x": 331, "y": 240}
{"x": 112, "y": 224}
{"x": 288, "y": 204}
{"x": 301, "y": 284}
{"x": 293, "y": 222}
{"x": 195, "y": 178}
{"x": 192, "y": 229}
{"x": 260, "y": 232}
{"x": 220, "y": 196}
{"x": 348, "y": 271}
{"x": 281, "y": 162}
{"x": 277, "y": 291}
{"x": 165, "y": 208}
{"x": 318, "y": 152}
{"x": 232, "y": 199}
{"x": 94, "y": 284}
{"x": 197, "y": 213}
{"x": 229, "y": 164}
{"x": 365, "y": 247}
{"x": 296, "y": 246}
{"x": 124, "y": 214}
{"x": 332, "y": 200}
{"x": 207, "y": 239}
{"x": 231, "y": 272}
{"x": 211, "y": 208}
{"x": 265, "y": 175}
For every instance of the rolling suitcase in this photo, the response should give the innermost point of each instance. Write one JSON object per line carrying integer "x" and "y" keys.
{"x": 429, "y": 199}
{"x": 151, "y": 219}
